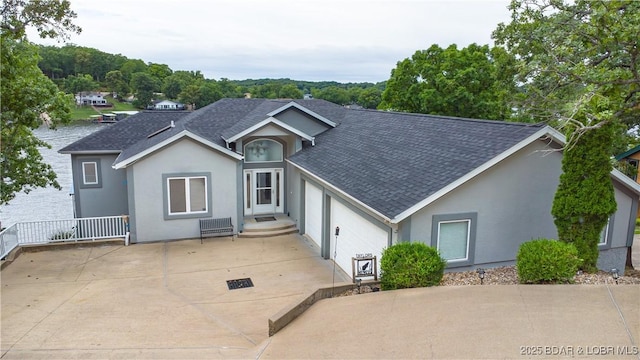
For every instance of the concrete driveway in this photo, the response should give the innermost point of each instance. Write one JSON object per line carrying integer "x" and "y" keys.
{"x": 160, "y": 300}
{"x": 171, "y": 301}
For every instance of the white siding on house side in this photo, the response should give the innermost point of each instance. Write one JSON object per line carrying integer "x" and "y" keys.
{"x": 313, "y": 213}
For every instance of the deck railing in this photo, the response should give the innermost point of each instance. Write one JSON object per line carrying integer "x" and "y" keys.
{"x": 72, "y": 230}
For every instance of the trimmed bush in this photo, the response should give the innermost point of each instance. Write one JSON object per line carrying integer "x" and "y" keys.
{"x": 410, "y": 265}
{"x": 547, "y": 261}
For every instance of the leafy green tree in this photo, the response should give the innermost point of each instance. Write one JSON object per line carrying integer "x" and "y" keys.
{"x": 76, "y": 84}
{"x": 52, "y": 18}
{"x": 334, "y": 94}
{"x": 27, "y": 95}
{"x": 143, "y": 86}
{"x": 131, "y": 67}
{"x": 474, "y": 82}
{"x": 159, "y": 71}
{"x": 290, "y": 91}
{"x": 578, "y": 66}
{"x": 569, "y": 51}
{"x": 190, "y": 95}
{"x": 585, "y": 197}
{"x": 208, "y": 93}
{"x": 369, "y": 98}
{"x": 115, "y": 82}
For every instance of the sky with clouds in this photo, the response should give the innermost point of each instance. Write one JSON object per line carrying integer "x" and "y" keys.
{"x": 314, "y": 40}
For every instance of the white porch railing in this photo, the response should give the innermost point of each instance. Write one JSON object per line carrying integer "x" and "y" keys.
{"x": 73, "y": 230}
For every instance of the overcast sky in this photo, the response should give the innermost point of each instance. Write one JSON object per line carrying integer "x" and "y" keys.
{"x": 315, "y": 40}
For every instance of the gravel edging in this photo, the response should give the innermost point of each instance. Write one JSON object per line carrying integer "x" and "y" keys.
{"x": 508, "y": 275}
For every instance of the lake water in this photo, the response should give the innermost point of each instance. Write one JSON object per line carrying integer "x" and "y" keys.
{"x": 49, "y": 203}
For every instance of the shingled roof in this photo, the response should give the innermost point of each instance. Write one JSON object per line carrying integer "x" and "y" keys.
{"x": 390, "y": 161}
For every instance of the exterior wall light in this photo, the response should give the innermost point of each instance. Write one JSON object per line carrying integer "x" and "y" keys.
{"x": 481, "y": 272}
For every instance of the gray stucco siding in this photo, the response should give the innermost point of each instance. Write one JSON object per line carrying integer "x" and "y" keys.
{"x": 108, "y": 197}
{"x": 513, "y": 201}
{"x": 614, "y": 254}
{"x": 305, "y": 123}
{"x": 183, "y": 157}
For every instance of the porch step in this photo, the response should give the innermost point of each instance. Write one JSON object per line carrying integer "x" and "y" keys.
{"x": 268, "y": 232}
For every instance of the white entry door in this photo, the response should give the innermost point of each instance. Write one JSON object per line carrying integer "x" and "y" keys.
{"x": 264, "y": 191}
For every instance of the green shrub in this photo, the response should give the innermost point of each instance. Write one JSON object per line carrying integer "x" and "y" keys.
{"x": 409, "y": 265}
{"x": 547, "y": 261}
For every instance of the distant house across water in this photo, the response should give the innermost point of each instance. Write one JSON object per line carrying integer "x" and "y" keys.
{"x": 166, "y": 105}
{"x": 91, "y": 99}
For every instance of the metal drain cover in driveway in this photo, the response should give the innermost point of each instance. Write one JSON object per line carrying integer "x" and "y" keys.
{"x": 239, "y": 283}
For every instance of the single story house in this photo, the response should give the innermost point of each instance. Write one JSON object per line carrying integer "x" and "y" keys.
{"x": 474, "y": 189}
{"x": 166, "y": 105}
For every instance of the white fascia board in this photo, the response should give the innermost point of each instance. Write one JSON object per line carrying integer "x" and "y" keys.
{"x": 303, "y": 109}
{"x": 558, "y": 137}
{"x": 626, "y": 181}
{"x": 184, "y": 133}
{"x": 546, "y": 131}
{"x": 265, "y": 122}
{"x": 324, "y": 183}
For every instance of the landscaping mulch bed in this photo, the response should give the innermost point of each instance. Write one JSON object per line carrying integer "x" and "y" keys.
{"x": 507, "y": 275}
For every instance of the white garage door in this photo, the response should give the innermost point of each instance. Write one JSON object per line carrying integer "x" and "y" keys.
{"x": 357, "y": 236}
{"x": 313, "y": 213}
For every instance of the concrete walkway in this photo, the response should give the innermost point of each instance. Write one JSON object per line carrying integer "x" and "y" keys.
{"x": 171, "y": 301}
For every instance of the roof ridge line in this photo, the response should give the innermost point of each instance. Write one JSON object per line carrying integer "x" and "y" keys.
{"x": 540, "y": 124}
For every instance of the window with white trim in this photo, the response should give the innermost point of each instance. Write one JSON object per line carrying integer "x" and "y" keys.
{"x": 187, "y": 195}
{"x": 89, "y": 172}
{"x": 605, "y": 234}
{"x": 454, "y": 237}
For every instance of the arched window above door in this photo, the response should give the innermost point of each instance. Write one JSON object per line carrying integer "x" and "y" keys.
{"x": 263, "y": 150}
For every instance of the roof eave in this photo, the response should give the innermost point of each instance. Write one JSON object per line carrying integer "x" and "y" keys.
{"x": 184, "y": 133}
{"x": 545, "y": 132}
{"x": 303, "y": 109}
{"x": 89, "y": 152}
{"x": 269, "y": 120}
{"x": 333, "y": 188}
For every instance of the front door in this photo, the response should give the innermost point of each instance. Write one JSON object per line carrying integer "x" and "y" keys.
{"x": 263, "y": 191}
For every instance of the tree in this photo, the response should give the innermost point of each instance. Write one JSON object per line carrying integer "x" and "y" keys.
{"x": 334, "y": 94}
{"x": 290, "y": 91}
{"x": 159, "y": 71}
{"x": 76, "y": 84}
{"x": 370, "y": 98}
{"x": 578, "y": 66}
{"x": 474, "y": 82}
{"x": 27, "y": 95}
{"x": 569, "y": 51}
{"x": 143, "y": 86}
{"x": 115, "y": 82}
{"x": 52, "y": 18}
{"x": 585, "y": 197}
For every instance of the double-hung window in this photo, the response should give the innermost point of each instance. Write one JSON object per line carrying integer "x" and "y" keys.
{"x": 90, "y": 173}
{"x": 454, "y": 237}
{"x": 187, "y": 195}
